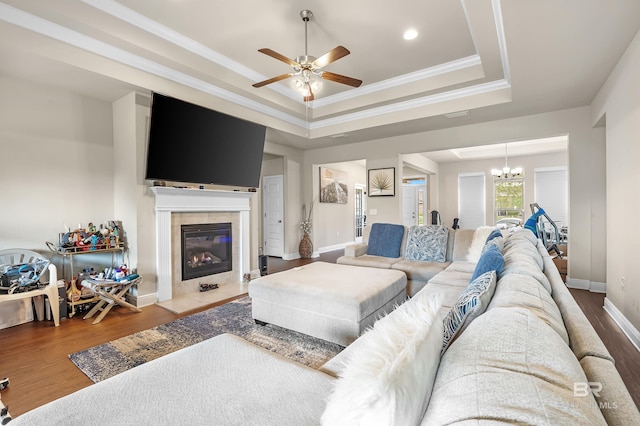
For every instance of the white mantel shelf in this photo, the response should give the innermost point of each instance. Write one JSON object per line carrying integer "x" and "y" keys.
{"x": 169, "y": 200}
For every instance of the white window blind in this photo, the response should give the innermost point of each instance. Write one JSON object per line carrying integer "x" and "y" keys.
{"x": 551, "y": 193}
{"x": 471, "y": 200}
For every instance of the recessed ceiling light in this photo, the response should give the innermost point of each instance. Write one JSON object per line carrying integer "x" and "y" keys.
{"x": 410, "y": 34}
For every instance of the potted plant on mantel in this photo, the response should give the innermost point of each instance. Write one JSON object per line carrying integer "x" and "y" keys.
{"x": 306, "y": 246}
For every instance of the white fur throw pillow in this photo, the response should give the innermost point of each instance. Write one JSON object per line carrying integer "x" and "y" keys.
{"x": 477, "y": 244}
{"x": 388, "y": 378}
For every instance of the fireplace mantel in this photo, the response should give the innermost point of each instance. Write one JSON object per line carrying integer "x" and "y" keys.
{"x": 169, "y": 200}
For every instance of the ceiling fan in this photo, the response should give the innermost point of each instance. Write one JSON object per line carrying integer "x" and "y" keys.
{"x": 305, "y": 67}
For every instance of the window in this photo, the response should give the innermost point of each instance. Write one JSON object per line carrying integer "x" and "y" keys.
{"x": 508, "y": 198}
{"x": 551, "y": 193}
{"x": 471, "y": 200}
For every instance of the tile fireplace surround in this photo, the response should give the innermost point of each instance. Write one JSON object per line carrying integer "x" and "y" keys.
{"x": 184, "y": 200}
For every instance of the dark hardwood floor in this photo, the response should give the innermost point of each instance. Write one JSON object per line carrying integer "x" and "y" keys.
{"x": 35, "y": 355}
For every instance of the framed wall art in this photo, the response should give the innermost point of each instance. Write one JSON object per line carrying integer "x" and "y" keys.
{"x": 381, "y": 182}
{"x": 334, "y": 187}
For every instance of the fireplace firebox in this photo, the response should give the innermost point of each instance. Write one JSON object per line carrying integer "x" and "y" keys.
{"x": 206, "y": 249}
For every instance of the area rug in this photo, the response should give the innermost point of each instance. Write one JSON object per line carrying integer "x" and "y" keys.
{"x": 106, "y": 360}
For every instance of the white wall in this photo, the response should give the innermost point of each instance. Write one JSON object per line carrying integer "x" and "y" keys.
{"x": 56, "y": 153}
{"x": 336, "y": 222}
{"x": 586, "y": 216}
{"x": 448, "y": 179}
{"x": 619, "y": 101}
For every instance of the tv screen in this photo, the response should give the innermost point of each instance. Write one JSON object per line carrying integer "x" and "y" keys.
{"x": 190, "y": 143}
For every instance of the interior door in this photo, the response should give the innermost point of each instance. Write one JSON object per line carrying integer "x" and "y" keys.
{"x": 409, "y": 205}
{"x": 360, "y": 209}
{"x": 273, "y": 215}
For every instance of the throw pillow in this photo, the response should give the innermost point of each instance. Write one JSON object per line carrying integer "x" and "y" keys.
{"x": 491, "y": 260}
{"x": 427, "y": 243}
{"x": 472, "y": 303}
{"x": 388, "y": 378}
{"x": 477, "y": 244}
{"x": 385, "y": 240}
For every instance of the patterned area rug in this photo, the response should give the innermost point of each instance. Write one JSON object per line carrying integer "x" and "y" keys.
{"x": 109, "y": 359}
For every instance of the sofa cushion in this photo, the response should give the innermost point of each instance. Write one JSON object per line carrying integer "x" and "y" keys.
{"x": 385, "y": 240}
{"x": 491, "y": 260}
{"x": 427, "y": 243}
{"x": 524, "y": 266}
{"x": 388, "y": 377}
{"x": 472, "y": 303}
{"x": 523, "y": 291}
{"x": 452, "y": 278}
{"x": 461, "y": 244}
{"x": 418, "y": 270}
{"x": 369, "y": 261}
{"x": 509, "y": 367}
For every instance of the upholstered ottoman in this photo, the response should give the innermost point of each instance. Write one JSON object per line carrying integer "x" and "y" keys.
{"x": 326, "y": 300}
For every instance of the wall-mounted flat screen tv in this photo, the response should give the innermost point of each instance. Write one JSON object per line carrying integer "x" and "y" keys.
{"x": 193, "y": 144}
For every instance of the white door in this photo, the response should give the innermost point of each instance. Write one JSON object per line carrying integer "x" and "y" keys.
{"x": 409, "y": 205}
{"x": 273, "y": 215}
{"x": 360, "y": 209}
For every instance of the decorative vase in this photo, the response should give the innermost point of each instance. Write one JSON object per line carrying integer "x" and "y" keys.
{"x": 306, "y": 247}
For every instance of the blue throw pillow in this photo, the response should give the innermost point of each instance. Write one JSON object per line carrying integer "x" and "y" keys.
{"x": 471, "y": 304}
{"x": 385, "y": 240}
{"x": 490, "y": 260}
{"x": 494, "y": 234}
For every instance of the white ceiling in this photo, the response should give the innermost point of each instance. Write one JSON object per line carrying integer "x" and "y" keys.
{"x": 496, "y": 59}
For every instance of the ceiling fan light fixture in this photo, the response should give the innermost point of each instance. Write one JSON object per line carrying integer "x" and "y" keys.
{"x": 308, "y": 70}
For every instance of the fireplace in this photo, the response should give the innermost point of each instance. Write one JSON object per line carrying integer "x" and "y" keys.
{"x": 206, "y": 249}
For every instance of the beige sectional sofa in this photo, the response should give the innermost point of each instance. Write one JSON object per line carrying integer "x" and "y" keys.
{"x": 530, "y": 358}
{"x": 418, "y": 272}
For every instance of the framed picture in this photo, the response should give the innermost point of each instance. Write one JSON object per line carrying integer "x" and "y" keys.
{"x": 333, "y": 186}
{"x": 381, "y": 182}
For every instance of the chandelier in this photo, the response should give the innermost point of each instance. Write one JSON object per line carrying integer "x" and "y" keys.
{"x": 506, "y": 172}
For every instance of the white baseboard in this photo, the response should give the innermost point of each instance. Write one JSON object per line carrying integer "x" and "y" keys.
{"x": 627, "y": 328}
{"x": 598, "y": 287}
{"x": 290, "y": 256}
{"x": 146, "y": 300}
{"x": 578, "y": 283}
{"x": 334, "y": 247}
{"x": 593, "y": 286}
{"x": 316, "y": 253}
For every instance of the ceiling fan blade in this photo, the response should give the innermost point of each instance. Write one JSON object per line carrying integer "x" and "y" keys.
{"x": 341, "y": 79}
{"x": 272, "y": 80}
{"x": 331, "y": 56}
{"x": 279, "y": 57}
{"x": 310, "y": 96}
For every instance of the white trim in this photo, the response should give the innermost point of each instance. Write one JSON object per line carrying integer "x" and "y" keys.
{"x": 333, "y": 247}
{"x": 168, "y": 200}
{"x": 390, "y": 83}
{"x": 625, "y": 325}
{"x": 146, "y": 300}
{"x": 502, "y": 41}
{"x": 598, "y": 287}
{"x": 578, "y": 283}
{"x": 550, "y": 169}
{"x": 478, "y": 89}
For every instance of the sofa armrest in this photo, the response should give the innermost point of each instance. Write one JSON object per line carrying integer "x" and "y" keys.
{"x": 355, "y": 250}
